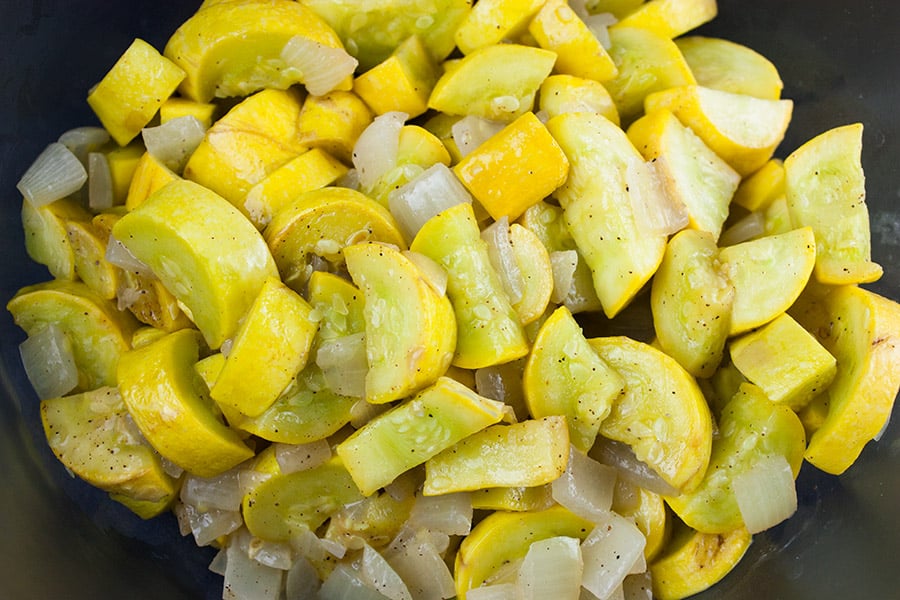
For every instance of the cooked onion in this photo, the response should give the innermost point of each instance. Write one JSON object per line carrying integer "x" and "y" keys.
{"x": 53, "y": 175}
{"x": 173, "y": 142}
{"x": 435, "y": 274}
{"x": 435, "y": 190}
{"x": 302, "y": 581}
{"x": 222, "y": 492}
{"x": 120, "y": 256}
{"x": 322, "y": 67}
{"x": 585, "y": 487}
{"x": 497, "y": 591}
{"x": 563, "y": 264}
{"x": 379, "y": 575}
{"x": 100, "y": 189}
{"x": 503, "y": 383}
{"x": 81, "y": 141}
{"x": 638, "y": 587}
{"x": 300, "y": 457}
{"x": 446, "y": 513}
{"x": 344, "y": 364}
{"x": 375, "y": 151}
{"x": 744, "y": 229}
{"x": 766, "y": 494}
{"x": 246, "y": 579}
{"x": 49, "y": 363}
{"x": 209, "y": 525}
{"x": 471, "y": 131}
{"x": 609, "y": 552}
{"x": 503, "y": 258}
{"x": 620, "y": 456}
{"x": 552, "y": 569}
{"x": 422, "y": 568}
{"x": 271, "y": 554}
{"x": 345, "y": 583}
{"x": 599, "y": 25}
{"x": 655, "y": 210}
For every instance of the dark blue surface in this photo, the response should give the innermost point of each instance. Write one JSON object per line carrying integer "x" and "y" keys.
{"x": 61, "y": 539}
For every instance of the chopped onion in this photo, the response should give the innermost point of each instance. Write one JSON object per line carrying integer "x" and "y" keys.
{"x": 344, "y": 364}
{"x": 563, "y": 264}
{"x": 379, "y": 575}
{"x": 471, "y": 131}
{"x": 586, "y": 486}
{"x": 222, "y": 492}
{"x": 100, "y": 187}
{"x": 307, "y": 543}
{"x": 655, "y": 211}
{"x": 49, "y": 362}
{"x": 405, "y": 485}
{"x": 503, "y": 258}
{"x": 638, "y": 586}
{"x": 300, "y": 457}
{"x": 599, "y": 25}
{"x": 435, "y": 190}
{"x": 344, "y": 583}
{"x": 497, "y": 591}
{"x": 446, "y": 513}
{"x": 620, "y": 456}
{"x": 53, "y": 175}
{"x": 119, "y": 255}
{"x": 302, "y": 581}
{"x": 248, "y": 479}
{"x": 503, "y": 383}
{"x": 364, "y": 411}
{"x": 81, "y": 141}
{"x": 209, "y": 525}
{"x": 749, "y": 227}
{"x": 609, "y": 551}
{"x": 246, "y": 579}
{"x": 435, "y": 274}
{"x": 219, "y": 562}
{"x": 173, "y": 142}
{"x": 552, "y": 569}
{"x": 322, "y": 67}
{"x": 271, "y": 554}
{"x": 375, "y": 151}
{"x": 766, "y": 494}
{"x": 422, "y": 568}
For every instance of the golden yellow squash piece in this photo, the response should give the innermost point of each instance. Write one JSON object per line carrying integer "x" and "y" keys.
{"x": 648, "y": 509}
{"x": 694, "y": 561}
{"x": 496, "y": 82}
{"x": 566, "y": 93}
{"x": 177, "y": 107}
{"x": 251, "y": 141}
{"x": 515, "y": 168}
{"x": 670, "y": 18}
{"x": 414, "y": 431}
{"x": 825, "y": 188}
{"x": 271, "y": 346}
{"x": 768, "y": 274}
{"x": 558, "y": 28}
{"x": 410, "y": 326}
{"x": 743, "y": 130}
{"x": 526, "y": 454}
{"x": 180, "y": 233}
{"x": 503, "y": 537}
{"x": 90, "y": 434}
{"x": 130, "y": 94}
{"x": 662, "y": 415}
{"x": 157, "y": 383}
{"x": 597, "y": 200}
{"x": 759, "y": 190}
{"x": 492, "y": 21}
{"x": 322, "y": 222}
{"x": 98, "y": 332}
{"x": 731, "y": 67}
{"x": 149, "y": 175}
{"x": 88, "y": 244}
{"x": 122, "y": 163}
{"x": 333, "y": 122}
{"x": 236, "y": 48}
{"x": 46, "y": 239}
{"x": 859, "y": 328}
{"x": 537, "y": 273}
{"x": 402, "y": 82}
{"x": 517, "y": 499}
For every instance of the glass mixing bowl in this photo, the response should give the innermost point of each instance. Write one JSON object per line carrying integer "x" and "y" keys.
{"x": 59, "y": 538}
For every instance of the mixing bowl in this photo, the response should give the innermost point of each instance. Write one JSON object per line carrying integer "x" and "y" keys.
{"x": 59, "y": 538}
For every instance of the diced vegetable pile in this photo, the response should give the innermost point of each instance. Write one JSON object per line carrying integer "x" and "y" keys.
{"x": 343, "y": 285}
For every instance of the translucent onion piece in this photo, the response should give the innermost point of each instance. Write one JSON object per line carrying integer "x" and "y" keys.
{"x": 302, "y": 581}
{"x": 219, "y": 562}
{"x": 322, "y": 67}
{"x": 638, "y": 587}
{"x": 120, "y": 256}
{"x": 83, "y": 140}
{"x": 300, "y": 457}
{"x": 599, "y": 25}
{"x": 655, "y": 211}
{"x": 435, "y": 274}
{"x": 423, "y": 569}
{"x": 563, "y": 263}
{"x": 271, "y": 554}
{"x": 609, "y": 552}
{"x": 316, "y": 549}
{"x": 100, "y": 191}
{"x": 503, "y": 383}
{"x": 435, "y": 190}
{"x": 405, "y": 485}
{"x": 248, "y": 479}
{"x": 586, "y": 486}
{"x": 364, "y": 411}
{"x": 173, "y": 142}
{"x": 497, "y": 591}
{"x": 49, "y": 363}
{"x": 344, "y": 583}
{"x": 471, "y": 131}
{"x": 552, "y": 569}
{"x": 344, "y": 364}
{"x": 53, "y": 175}
{"x": 171, "y": 468}
{"x": 246, "y": 579}
{"x": 446, "y": 513}
{"x": 744, "y": 229}
{"x": 379, "y": 575}
{"x": 503, "y": 258}
{"x": 222, "y": 492}
{"x": 375, "y": 151}
{"x": 209, "y": 525}
{"x": 620, "y": 456}
{"x": 766, "y": 494}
